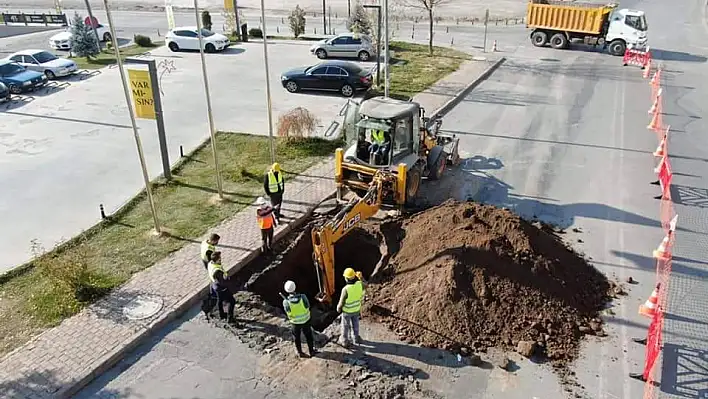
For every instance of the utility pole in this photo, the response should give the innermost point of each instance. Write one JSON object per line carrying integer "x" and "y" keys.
{"x": 387, "y": 83}
{"x": 131, "y": 112}
{"x": 324, "y": 16}
{"x": 210, "y": 115}
{"x": 238, "y": 23}
{"x": 267, "y": 76}
{"x": 93, "y": 27}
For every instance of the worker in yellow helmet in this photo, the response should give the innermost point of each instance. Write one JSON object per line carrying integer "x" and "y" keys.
{"x": 274, "y": 186}
{"x": 350, "y": 306}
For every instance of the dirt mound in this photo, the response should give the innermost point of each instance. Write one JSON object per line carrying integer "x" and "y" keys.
{"x": 474, "y": 276}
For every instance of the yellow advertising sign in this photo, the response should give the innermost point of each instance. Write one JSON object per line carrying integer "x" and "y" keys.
{"x": 141, "y": 87}
{"x": 229, "y": 4}
{"x": 170, "y": 16}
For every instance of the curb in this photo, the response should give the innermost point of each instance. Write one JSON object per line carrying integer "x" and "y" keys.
{"x": 445, "y": 108}
{"x": 190, "y": 300}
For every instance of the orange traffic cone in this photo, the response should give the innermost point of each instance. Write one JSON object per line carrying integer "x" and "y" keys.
{"x": 494, "y": 46}
{"x": 658, "y": 167}
{"x": 655, "y": 104}
{"x": 661, "y": 149}
{"x": 655, "y": 123}
{"x": 649, "y": 307}
{"x": 663, "y": 251}
{"x": 647, "y": 70}
{"x": 655, "y": 79}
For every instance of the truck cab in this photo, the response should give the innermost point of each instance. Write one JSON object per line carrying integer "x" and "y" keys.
{"x": 629, "y": 26}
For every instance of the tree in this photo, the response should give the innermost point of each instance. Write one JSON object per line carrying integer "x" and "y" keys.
{"x": 230, "y": 22}
{"x": 429, "y": 6}
{"x": 359, "y": 21}
{"x": 206, "y": 20}
{"x": 297, "y": 21}
{"x": 83, "y": 41}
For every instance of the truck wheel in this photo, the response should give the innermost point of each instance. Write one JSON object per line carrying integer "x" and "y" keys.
{"x": 617, "y": 47}
{"x": 539, "y": 38}
{"x": 559, "y": 41}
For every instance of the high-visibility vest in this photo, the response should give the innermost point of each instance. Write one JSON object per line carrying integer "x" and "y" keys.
{"x": 377, "y": 136}
{"x": 265, "y": 222}
{"x": 354, "y": 294}
{"x": 274, "y": 182}
{"x": 213, "y": 267}
{"x": 298, "y": 313}
{"x": 206, "y": 247}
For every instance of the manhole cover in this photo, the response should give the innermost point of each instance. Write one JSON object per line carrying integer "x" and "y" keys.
{"x": 142, "y": 307}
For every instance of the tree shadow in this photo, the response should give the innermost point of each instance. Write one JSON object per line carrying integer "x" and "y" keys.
{"x": 684, "y": 371}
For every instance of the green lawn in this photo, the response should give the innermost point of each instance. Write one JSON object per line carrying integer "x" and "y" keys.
{"x": 107, "y": 56}
{"x": 414, "y": 69}
{"x": 115, "y": 250}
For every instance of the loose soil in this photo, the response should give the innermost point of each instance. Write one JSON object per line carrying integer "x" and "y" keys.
{"x": 465, "y": 277}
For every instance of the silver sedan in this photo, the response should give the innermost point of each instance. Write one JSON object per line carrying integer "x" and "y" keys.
{"x": 44, "y": 62}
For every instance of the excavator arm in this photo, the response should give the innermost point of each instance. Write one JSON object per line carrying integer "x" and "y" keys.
{"x": 327, "y": 234}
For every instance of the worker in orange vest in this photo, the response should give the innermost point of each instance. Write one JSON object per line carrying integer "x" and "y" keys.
{"x": 267, "y": 222}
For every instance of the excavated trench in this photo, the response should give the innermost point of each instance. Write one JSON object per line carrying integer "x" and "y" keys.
{"x": 292, "y": 260}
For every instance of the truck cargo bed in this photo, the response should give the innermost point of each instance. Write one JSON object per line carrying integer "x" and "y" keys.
{"x": 567, "y": 16}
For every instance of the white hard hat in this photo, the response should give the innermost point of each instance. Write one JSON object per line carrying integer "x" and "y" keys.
{"x": 260, "y": 201}
{"x": 289, "y": 287}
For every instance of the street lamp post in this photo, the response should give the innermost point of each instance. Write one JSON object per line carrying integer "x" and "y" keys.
{"x": 387, "y": 83}
{"x": 131, "y": 112}
{"x": 267, "y": 76}
{"x": 210, "y": 115}
{"x": 378, "y": 42}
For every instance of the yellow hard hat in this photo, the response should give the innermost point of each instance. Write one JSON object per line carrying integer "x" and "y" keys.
{"x": 276, "y": 167}
{"x": 349, "y": 273}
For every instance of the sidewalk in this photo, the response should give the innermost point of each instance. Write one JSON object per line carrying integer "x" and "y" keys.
{"x": 61, "y": 360}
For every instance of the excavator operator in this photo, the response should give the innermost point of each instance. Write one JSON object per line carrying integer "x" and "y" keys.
{"x": 380, "y": 145}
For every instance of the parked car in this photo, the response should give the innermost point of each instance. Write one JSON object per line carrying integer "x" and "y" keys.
{"x": 187, "y": 38}
{"x": 44, "y": 62}
{"x": 345, "y": 45}
{"x": 18, "y": 78}
{"x": 4, "y": 93}
{"x": 62, "y": 40}
{"x": 342, "y": 76}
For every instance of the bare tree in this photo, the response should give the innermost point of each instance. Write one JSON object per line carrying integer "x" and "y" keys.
{"x": 429, "y": 6}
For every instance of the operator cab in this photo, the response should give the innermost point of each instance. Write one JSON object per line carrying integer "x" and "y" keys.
{"x": 382, "y": 132}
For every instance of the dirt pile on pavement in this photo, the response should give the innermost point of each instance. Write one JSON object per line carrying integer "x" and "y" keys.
{"x": 467, "y": 276}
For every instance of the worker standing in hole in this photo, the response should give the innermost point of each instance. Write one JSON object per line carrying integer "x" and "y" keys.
{"x": 380, "y": 143}
{"x": 350, "y": 306}
{"x": 266, "y": 222}
{"x": 220, "y": 289}
{"x": 208, "y": 247}
{"x": 297, "y": 307}
{"x": 274, "y": 185}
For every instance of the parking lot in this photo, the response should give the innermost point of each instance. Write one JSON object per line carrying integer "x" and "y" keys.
{"x": 67, "y": 148}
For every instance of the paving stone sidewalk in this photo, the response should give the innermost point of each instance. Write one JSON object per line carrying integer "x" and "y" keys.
{"x": 63, "y": 359}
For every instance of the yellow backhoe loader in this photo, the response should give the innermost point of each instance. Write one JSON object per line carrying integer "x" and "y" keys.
{"x": 416, "y": 149}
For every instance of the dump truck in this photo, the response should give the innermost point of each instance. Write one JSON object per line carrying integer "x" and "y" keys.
{"x": 558, "y": 23}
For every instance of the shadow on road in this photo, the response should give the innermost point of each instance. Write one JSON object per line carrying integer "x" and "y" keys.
{"x": 684, "y": 371}
{"x": 669, "y": 55}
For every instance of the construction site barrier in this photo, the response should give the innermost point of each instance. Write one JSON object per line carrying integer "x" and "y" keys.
{"x": 655, "y": 306}
{"x": 637, "y": 57}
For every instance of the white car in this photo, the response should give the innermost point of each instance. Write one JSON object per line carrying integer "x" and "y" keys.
{"x": 187, "y": 38}
{"x": 62, "y": 40}
{"x": 44, "y": 62}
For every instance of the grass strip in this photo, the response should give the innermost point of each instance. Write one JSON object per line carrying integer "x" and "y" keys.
{"x": 108, "y": 57}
